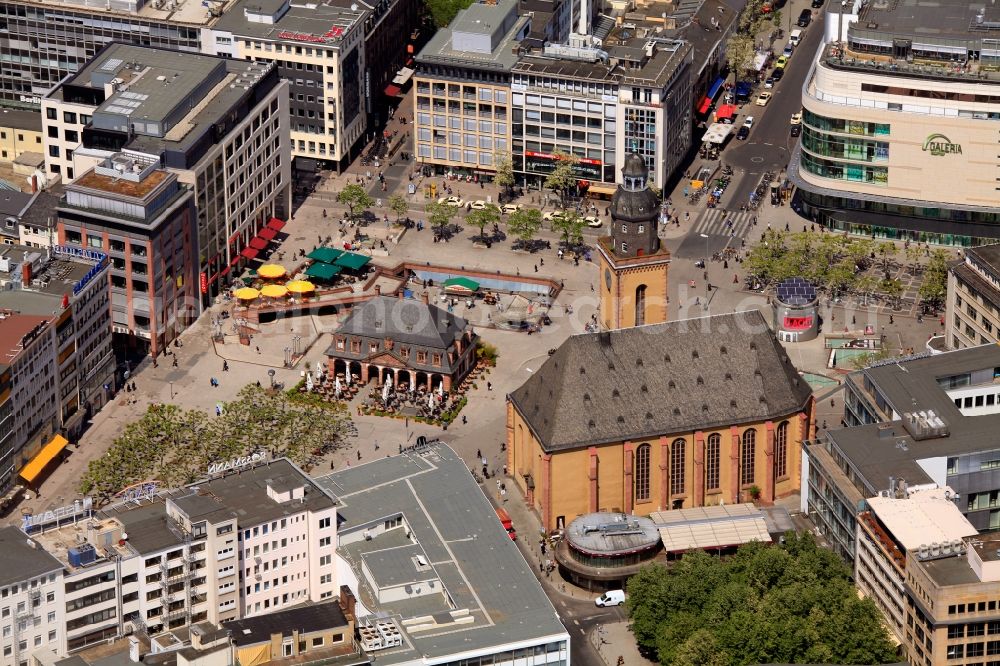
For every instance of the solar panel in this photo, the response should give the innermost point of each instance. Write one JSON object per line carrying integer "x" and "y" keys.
{"x": 796, "y": 291}
{"x": 111, "y": 64}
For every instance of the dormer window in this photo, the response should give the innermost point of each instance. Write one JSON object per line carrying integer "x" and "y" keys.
{"x": 624, "y": 247}
{"x": 624, "y": 228}
{"x": 641, "y": 228}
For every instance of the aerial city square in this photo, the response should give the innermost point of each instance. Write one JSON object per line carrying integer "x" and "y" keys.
{"x": 499, "y": 332}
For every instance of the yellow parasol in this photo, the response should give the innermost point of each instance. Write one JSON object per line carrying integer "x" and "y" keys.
{"x": 300, "y": 286}
{"x": 274, "y": 291}
{"x": 247, "y": 294}
{"x": 271, "y": 271}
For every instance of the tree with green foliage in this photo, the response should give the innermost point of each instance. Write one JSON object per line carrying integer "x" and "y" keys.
{"x": 399, "y": 206}
{"x": 893, "y": 290}
{"x": 886, "y": 250}
{"x": 562, "y": 178}
{"x": 439, "y": 216}
{"x": 913, "y": 254}
{"x": 569, "y": 227}
{"x": 739, "y": 53}
{"x": 444, "y": 11}
{"x": 504, "y": 166}
{"x": 524, "y": 224}
{"x": 866, "y": 285}
{"x": 355, "y": 198}
{"x": 934, "y": 287}
{"x": 483, "y": 218}
{"x": 175, "y": 446}
{"x": 791, "y": 603}
{"x": 862, "y": 361}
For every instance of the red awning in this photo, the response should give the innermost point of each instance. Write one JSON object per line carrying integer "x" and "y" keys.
{"x": 267, "y": 233}
{"x": 258, "y": 243}
{"x": 392, "y": 90}
{"x": 726, "y": 111}
{"x": 706, "y": 104}
{"x": 276, "y": 224}
{"x": 249, "y": 252}
{"x": 225, "y": 271}
{"x": 235, "y": 260}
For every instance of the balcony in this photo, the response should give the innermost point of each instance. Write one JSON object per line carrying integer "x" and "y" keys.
{"x": 839, "y": 57}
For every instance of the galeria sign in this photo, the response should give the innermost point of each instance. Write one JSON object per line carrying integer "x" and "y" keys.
{"x": 242, "y": 461}
{"x": 939, "y": 144}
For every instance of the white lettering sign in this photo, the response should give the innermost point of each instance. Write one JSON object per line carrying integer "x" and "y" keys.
{"x": 235, "y": 463}
{"x": 77, "y": 508}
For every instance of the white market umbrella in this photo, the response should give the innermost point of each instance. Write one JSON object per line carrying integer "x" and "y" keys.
{"x": 385, "y": 393}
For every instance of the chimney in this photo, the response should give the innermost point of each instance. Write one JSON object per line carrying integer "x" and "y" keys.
{"x": 378, "y": 290}
{"x": 34, "y": 183}
{"x": 584, "y": 18}
{"x": 426, "y": 299}
{"x": 26, "y": 273}
{"x": 347, "y": 602}
{"x": 399, "y": 293}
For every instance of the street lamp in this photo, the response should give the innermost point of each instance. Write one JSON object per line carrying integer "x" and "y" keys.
{"x": 171, "y": 390}
{"x": 270, "y": 374}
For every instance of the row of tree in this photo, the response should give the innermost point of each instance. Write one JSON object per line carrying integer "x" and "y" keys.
{"x": 843, "y": 264}
{"x": 175, "y": 445}
{"x": 791, "y": 603}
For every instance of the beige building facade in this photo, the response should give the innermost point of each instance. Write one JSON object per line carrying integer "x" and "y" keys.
{"x": 972, "y": 313}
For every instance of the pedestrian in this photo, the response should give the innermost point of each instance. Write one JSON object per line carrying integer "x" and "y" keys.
{"x": 479, "y": 454}
{"x": 225, "y": 366}
{"x": 175, "y": 360}
{"x": 891, "y": 320}
{"x": 464, "y": 420}
{"x": 258, "y": 351}
{"x": 359, "y": 454}
{"x": 541, "y": 262}
{"x": 489, "y": 386}
{"x": 536, "y": 268}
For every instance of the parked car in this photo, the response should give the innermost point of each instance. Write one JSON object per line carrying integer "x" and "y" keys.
{"x": 480, "y": 205}
{"x": 611, "y": 598}
{"x": 763, "y": 99}
{"x": 455, "y": 202}
{"x": 554, "y": 215}
{"x": 743, "y": 133}
{"x": 816, "y": 4}
{"x": 804, "y": 18}
{"x": 782, "y": 61}
{"x": 796, "y": 127}
{"x": 769, "y": 82}
{"x": 788, "y": 50}
{"x": 748, "y": 122}
{"x": 778, "y": 73}
{"x": 507, "y": 209}
{"x": 795, "y": 37}
{"x": 593, "y": 221}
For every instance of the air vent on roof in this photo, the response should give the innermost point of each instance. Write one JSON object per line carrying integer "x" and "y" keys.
{"x": 722, "y": 349}
{"x": 732, "y": 403}
{"x": 649, "y": 416}
{"x": 677, "y": 411}
{"x": 762, "y": 399}
{"x": 757, "y": 373}
{"x": 753, "y": 346}
{"x": 583, "y": 370}
{"x": 666, "y": 357}
{"x": 701, "y": 382}
{"x": 638, "y": 362}
{"x": 694, "y": 354}
{"x": 671, "y": 384}
{"x": 621, "y": 419}
{"x": 615, "y": 393}
{"x": 729, "y": 375}
{"x": 590, "y": 423}
{"x": 704, "y": 407}
{"x": 611, "y": 366}
{"x": 586, "y": 397}
{"x": 644, "y": 388}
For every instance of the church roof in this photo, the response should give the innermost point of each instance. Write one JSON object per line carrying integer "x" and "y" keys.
{"x": 634, "y": 167}
{"x": 405, "y": 320}
{"x": 681, "y": 376}
{"x": 634, "y": 206}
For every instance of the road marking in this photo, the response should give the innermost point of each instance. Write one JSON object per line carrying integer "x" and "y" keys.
{"x": 768, "y": 144}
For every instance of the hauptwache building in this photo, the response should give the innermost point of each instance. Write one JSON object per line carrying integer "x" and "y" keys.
{"x": 670, "y": 415}
{"x": 900, "y": 119}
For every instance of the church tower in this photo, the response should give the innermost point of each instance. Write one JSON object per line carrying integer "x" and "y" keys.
{"x": 633, "y": 265}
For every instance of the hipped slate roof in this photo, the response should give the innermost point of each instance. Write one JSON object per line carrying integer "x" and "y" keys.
{"x": 638, "y": 383}
{"x": 405, "y": 320}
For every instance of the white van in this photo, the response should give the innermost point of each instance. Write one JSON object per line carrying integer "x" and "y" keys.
{"x": 611, "y": 598}
{"x": 795, "y": 37}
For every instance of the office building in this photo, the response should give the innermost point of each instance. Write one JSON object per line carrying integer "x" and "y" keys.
{"x": 598, "y": 104}
{"x": 20, "y": 132}
{"x": 220, "y": 125}
{"x": 241, "y": 543}
{"x": 438, "y": 579}
{"x": 898, "y": 139}
{"x": 972, "y": 310}
{"x": 897, "y": 522}
{"x": 676, "y": 415}
{"x": 13, "y": 206}
{"x": 320, "y": 51}
{"x": 143, "y": 218}
{"x": 56, "y": 364}
{"x": 918, "y": 420}
{"x": 461, "y": 108}
{"x": 394, "y": 32}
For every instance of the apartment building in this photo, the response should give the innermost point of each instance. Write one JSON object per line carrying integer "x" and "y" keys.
{"x": 972, "y": 310}
{"x": 599, "y": 103}
{"x": 220, "y": 125}
{"x": 245, "y": 542}
{"x": 31, "y": 598}
{"x": 462, "y": 108}
{"x": 918, "y": 420}
{"x": 56, "y": 363}
{"x": 320, "y": 51}
{"x": 20, "y": 132}
{"x": 899, "y": 521}
{"x": 899, "y": 123}
{"x": 143, "y": 218}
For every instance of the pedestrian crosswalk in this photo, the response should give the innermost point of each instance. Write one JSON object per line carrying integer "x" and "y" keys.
{"x": 713, "y": 222}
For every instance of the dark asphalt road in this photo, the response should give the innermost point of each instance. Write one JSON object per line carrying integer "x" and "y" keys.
{"x": 769, "y": 145}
